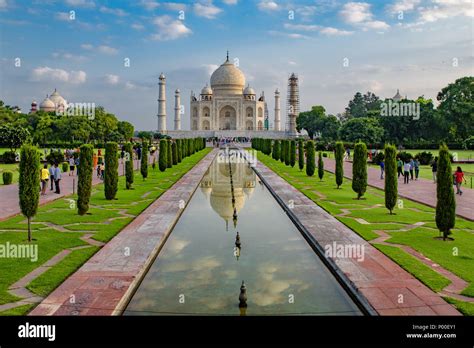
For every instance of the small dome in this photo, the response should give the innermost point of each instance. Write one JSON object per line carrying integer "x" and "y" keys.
{"x": 228, "y": 77}
{"x": 162, "y": 76}
{"x": 206, "y": 90}
{"x": 249, "y": 91}
{"x": 178, "y": 91}
{"x": 57, "y": 99}
{"x": 397, "y": 97}
{"x": 34, "y": 102}
{"x": 47, "y": 105}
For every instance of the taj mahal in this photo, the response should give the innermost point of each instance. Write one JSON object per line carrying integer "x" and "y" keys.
{"x": 230, "y": 108}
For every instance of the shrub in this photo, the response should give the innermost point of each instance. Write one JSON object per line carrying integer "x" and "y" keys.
{"x": 128, "y": 165}
{"x": 287, "y": 152}
{"x": 282, "y": 151}
{"x": 339, "y": 156}
{"x": 320, "y": 166}
{"x": 424, "y": 157}
{"x": 276, "y": 150}
{"x": 310, "y": 160}
{"x": 65, "y": 167}
{"x": 7, "y": 177}
{"x": 9, "y": 157}
{"x": 174, "y": 150}
{"x": 292, "y": 153}
{"x": 179, "y": 149}
{"x": 169, "y": 157}
{"x": 111, "y": 171}
{"x": 55, "y": 157}
{"x": 359, "y": 170}
{"x": 301, "y": 154}
{"x": 144, "y": 161}
{"x": 29, "y": 182}
{"x": 391, "y": 180}
{"x": 446, "y": 203}
{"x": 325, "y": 154}
{"x": 163, "y": 155}
{"x": 405, "y": 156}
{"x": 84, "y": 184}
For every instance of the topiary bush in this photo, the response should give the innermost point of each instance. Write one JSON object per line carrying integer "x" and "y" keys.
{"x": 29, "y": 183}
{"x": 65, "y": 167}
{"x": 391, "y": 177}
{"x": 144, "y": 161}
{"x": 7, "y": 177}
{"x": 163, "y": 155}
{"x": 111, "y": 171}
{"x": 339, "y": 156}
{"x": 174, "y": 150}
{"x": 9, "y": 157}
{"x": 128, "y": 165}
{"x": 292, "y": 153}
{"x": 359, "y": 170}
{"x": 405, "y": 156}
{"x": 169, "y": 156}
{"x": 424, "y": 157}
{"x": 55, "y": 157}
{"x": 300, "y": 154}
{"x": 310, "y": 158}
{"x": 320, "y": 166}
{"x": 84, "y": 184}
{"x": 446, "y": 203}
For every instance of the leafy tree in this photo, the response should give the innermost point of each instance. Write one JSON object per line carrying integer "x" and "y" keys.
{"x": 126, "y": 129}
{"x": 366, "y": 129}
{"x": 13, "y": 137}
{"x": 391, "y": 178}
{"x": 363, "y": 105}
{"x": 301, "y": 154}
{"x": 446, "y": 203}
{"x": 111, "y": 171}
{"x": 293, "y": 153}
{"x": 359, "y": 170}
{"x": 29, "y": 183}
{"x": 128, "y": 166}
{"x": 320, "y": 166}
{"x": 84, "y": 184}
{"x": 163, "y": 155}
{"x": 339, "y": 156}
{"x": 174, "y": 150}
{"x": 310, "y": 158}
{"x": 144, "y": 160}
{"x": 145, "y": 135}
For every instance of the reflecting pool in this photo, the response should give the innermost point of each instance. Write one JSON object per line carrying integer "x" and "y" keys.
{"x": 200, "y": 269}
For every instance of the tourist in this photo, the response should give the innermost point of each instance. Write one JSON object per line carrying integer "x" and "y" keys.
{"x": 51, "y": 175}
{"x": 57, "y": 177}
{"x": 399, "y": 167}
{"x": 77, "y": 165}
{"x": 99, "y": 169}
{"x": 458, "y": 178}
{"x": 72, "y": 165}
{"x": 348, "y": 152}
{"x": 102, "y": 171}
{"x": 44, "y": 179}
{"x": 434, "y": 168}
{"x": 406, "y": 172}
{"x": 416, "y": 163}
{"x": 412, "y": 167}
{"x": 382, "y": 169}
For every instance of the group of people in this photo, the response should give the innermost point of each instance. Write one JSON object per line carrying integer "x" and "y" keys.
{"x": 53, "y": 175}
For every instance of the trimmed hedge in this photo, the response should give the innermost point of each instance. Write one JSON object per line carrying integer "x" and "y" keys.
{"x": 7, "y": 177}
{"x": 163, "y": 155}
{"x": 84, "y": 183}
{"x": 310, "y": 158}
{"x": 29, "y": 183}
{"x": 111, "y": 171}
{"x": 144, "y": 161}
{"x": 128, "y": 165}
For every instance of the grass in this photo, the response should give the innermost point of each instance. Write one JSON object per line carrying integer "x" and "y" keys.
{"x": 21, "y": 310}
{"x": 372, "y": 210}
{"x": 465, "y": 308}
{"x": 9, "y": 168}
{"x": 57, "y": 227}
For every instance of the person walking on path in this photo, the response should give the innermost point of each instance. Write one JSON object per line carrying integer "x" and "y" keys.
{"x": 434, "y": 168}
{"x": 399, "y": 167}
{"x": 416, "y": 164}
{"x": 51, "y": 176}
{"x": 348, "y": 152}
{"x": 382, "y": 169}
{"x": 72, "y": 164}
{"x": 57, "y": 177}
{"x": 44, "y": 179}
{"x": 406, "y": 172}
{"x": 458, "y": 178}
{"x": 412, "y": 167}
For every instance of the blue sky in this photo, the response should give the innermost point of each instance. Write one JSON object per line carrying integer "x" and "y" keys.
{"x": 418, "y": 46}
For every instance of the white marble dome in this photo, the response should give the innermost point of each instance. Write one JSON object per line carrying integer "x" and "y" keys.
{"x": 206, "y": 90}
{"x": 228, "y": 78}
{"x": 47, "y": 105}
{"x": 249, "y": 91}
{"x": 57, "y": 99}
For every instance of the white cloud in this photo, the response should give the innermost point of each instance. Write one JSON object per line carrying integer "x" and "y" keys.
{"x": 174, "y": 6}
{"x": 111, "y": 79}
{"x": 107, "y": 50}
{"x": 169, "y": 29}
{"x": 207, "y": 10}
{"x": 443, "y": 9}
{"x": 50, "y": 74}
{"x": 114, "y": 11}
{"x": 317, "y": 28}
{"x": 69, "y": 56}
{"x": 149, "y": 5}
{"x": 230, "y": 2}
{"x": 81, "y": 3}
{"x": 3, "y": 4}
{"x": 288, "y": 35}
{"x": 137, "y": 26}
{"x": 268, "y": 5}
{"x": 87, "y": 47}
{"x": 63, "y": 16}
{"x": 403, "y": 5}
{"x": 359, "y": 14}
{"x": 376, "y": 25}
{"x": 130, "y": 85}
{"x": 335, "y": 32}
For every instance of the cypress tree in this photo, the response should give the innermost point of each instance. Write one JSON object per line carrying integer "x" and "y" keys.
{"x": 163, "y": 155}
{"x": 179, "y": 150}
{"x": 29, "y": 183}
{"x": 320, "y": 166}
{"x": 287, "y": 152}
{"x": 174, "y": 150}
{"x": 128, "y": 166}
{"x": 293, "y": 153}
{"x": 144, "y": 161}
{"x": 339, "y": 156}
{"x": 446, "y": 203}
{"x": 310, "y": 160}
{"x": 282, "y": 151}
{"x": 391, "y": 180}
{"x": 359, "y": 169}
{"x": 111, "y": 171}
{"x": 84, "y": 183}
{"x": 169, "y": 156}
{"x": 276, "y": 150}
{"x": 301, "y": 154}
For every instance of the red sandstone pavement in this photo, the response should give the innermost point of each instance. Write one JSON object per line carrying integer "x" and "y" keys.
{"x": 103, "y": 285}
{"x": 421, "y": 190}
{"x": 388, "y": 288}
{"x": 10, "y": 202}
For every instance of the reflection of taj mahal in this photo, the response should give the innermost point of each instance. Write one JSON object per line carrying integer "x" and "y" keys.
{"x": 216, "y": 185}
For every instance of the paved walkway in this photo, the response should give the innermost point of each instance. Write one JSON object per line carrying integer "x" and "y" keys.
{"x": 388, "y": 288}
{"x": 421, "y": 191}
{"x": 10, "y": 202}
{"x": 105, "y": 283}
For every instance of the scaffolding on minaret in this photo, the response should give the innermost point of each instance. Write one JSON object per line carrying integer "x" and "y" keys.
{"x": 292, "y": 104}
{"x": 267, "y": 120}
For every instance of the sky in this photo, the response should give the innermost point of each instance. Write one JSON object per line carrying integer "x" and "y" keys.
{"x": 111, "y": 52}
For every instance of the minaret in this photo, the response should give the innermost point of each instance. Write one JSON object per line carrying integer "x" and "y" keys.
{"x": 293, "y": 103}
{"x": 162, "y": 104}
{"x": 277, "y": 110}
{"x": 177, "y": 110}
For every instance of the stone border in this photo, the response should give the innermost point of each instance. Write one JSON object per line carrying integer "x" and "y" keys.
{"x": 106, "y": 282}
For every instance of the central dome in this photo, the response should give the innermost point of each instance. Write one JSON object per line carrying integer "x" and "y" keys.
{"x": 228, "y": 78}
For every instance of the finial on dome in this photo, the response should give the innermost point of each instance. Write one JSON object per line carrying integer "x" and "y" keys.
{"x": 227, "y": 55}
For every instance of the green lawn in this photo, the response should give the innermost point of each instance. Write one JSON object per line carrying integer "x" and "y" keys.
{"x": 372, "y": 210}
{"x": 107, "y": 218}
